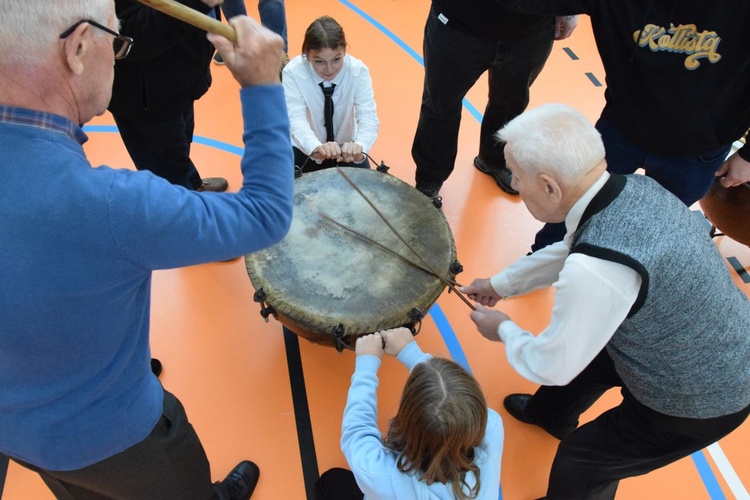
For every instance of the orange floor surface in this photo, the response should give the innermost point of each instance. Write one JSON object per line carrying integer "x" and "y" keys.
{"x": 253, "y": 394}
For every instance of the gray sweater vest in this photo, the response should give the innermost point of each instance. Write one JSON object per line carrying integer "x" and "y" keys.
{"x": 684, "y": 349}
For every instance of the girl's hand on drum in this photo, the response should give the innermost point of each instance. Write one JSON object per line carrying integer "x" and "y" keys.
{"x": 370, "y": 344}
{"x": 352, "y": 152}
{"x": 481, "y": 291}
{"x": 396, "y": 339}
{"x": 327, "y": 151}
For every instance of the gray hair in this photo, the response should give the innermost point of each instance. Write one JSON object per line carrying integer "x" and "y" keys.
{"x": 553, "y": 139}
{"x": 29, "y": 29}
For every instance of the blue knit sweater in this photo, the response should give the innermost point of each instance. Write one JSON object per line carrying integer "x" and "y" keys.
{"x": 78, "y": 246}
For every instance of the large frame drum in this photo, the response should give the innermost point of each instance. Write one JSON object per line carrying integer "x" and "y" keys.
{"x": 728, "y": 210}
{"x": 341, "y": 271}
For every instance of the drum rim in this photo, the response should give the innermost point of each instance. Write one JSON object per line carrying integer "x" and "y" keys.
{"x": 294, "y": 315}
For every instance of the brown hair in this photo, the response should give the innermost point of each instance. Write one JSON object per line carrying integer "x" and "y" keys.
{"x": 323, "y": 33}
{"x": 442, "y": 417}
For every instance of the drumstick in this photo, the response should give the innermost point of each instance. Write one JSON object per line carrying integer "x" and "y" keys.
{"x": 380, "y": 214}
{"x": 450, "y": 283}
{"x": 192, "y": 17}
{"x": 382, "y": 217}
{"x": 383, "y": 247}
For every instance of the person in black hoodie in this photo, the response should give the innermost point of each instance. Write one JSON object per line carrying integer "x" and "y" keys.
{"x": 678, "y": 89}
{"x": 155, "y": 89}
{"x": 462, "y": 40}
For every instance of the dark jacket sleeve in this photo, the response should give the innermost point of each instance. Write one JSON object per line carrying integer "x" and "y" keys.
{"x": 154, "y": 33}
{"x": 168, "y": 67}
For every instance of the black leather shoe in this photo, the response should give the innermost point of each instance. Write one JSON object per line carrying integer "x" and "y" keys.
{"x": 241, "y": 482}
{"x": 155, "y": 366}
{"x": 502, "y": 175}
{"x": 516, "y": 406}
{"x": 215, "y": 184}
{"x": 429, "y": 190}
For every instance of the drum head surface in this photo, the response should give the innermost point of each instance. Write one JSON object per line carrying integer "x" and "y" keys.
{"x": 322, "y": 275}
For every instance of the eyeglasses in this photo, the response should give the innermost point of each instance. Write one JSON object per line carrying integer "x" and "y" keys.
{"x": 121, "y": 44}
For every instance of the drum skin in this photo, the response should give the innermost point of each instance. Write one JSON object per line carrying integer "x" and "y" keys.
{"x": 728, "y": 209}
{"x": 325, "y": 283}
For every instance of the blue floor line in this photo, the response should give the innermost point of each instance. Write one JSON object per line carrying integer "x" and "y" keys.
{"x": 707, "y": 475}
{"x": 204, "y": 141}
{"x": 449, "y": 336}
{"x": 413, "y": 53}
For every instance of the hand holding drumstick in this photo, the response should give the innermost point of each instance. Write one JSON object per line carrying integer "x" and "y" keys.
{"x": 481, "y": 291}
{"x": 487, "y": 320}
{"x": 252, "y": 53}
{"x": 255, "y": 59}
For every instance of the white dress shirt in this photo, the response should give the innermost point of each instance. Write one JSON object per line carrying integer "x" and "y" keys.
{"x": 593, "y": 297}
{"x": 354, "y": 117}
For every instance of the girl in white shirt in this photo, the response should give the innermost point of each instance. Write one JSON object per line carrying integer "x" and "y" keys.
{"x": 325, "y": 63}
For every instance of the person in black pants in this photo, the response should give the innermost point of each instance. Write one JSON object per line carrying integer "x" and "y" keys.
{"x": 155, "y": 90}
{"x": 462, "y": 40}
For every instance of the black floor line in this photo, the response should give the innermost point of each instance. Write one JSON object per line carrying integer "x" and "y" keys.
{"x": 301, "y": 414}
{"x": 3, "y": 472}
{"x": 739, "y": 269}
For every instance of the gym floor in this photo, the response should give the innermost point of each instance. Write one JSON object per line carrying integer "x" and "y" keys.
{"x": 252, "y": 393}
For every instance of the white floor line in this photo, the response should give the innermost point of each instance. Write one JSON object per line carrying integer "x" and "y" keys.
{"x": 726, "y": 469}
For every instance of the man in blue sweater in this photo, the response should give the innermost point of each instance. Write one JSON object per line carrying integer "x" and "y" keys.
{"x": 643, "y": 301}
{"x": 78, "y": 401}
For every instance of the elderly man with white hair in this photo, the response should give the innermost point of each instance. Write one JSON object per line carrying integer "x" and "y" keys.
{"x": 643, "y": 302}
{"x": 78, "y": 401}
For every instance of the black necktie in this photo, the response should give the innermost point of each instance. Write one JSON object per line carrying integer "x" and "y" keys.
{"x": 328, "y": 110}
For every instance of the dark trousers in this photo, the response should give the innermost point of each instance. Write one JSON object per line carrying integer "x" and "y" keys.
{"x": 304, "y": 164}
{"x": 628, "y": 440}
{"x": 337, "y": 484}
{"x": 169, "y": 464}
{"x": 163, "y": 147}
{"x": 687, "y": 177}
{"x": 453, "y": 62}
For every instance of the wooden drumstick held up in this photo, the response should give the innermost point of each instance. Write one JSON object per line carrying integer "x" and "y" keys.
{"x": 192, "y": 17}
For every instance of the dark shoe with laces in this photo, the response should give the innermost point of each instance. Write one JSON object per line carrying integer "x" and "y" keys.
{"x": 429, "y": 190}
{"x": 214, "y": 184}
{"x": 502, "y": 175}
{"x": 240, "y": 483}
{"x": 516, "y": 406}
